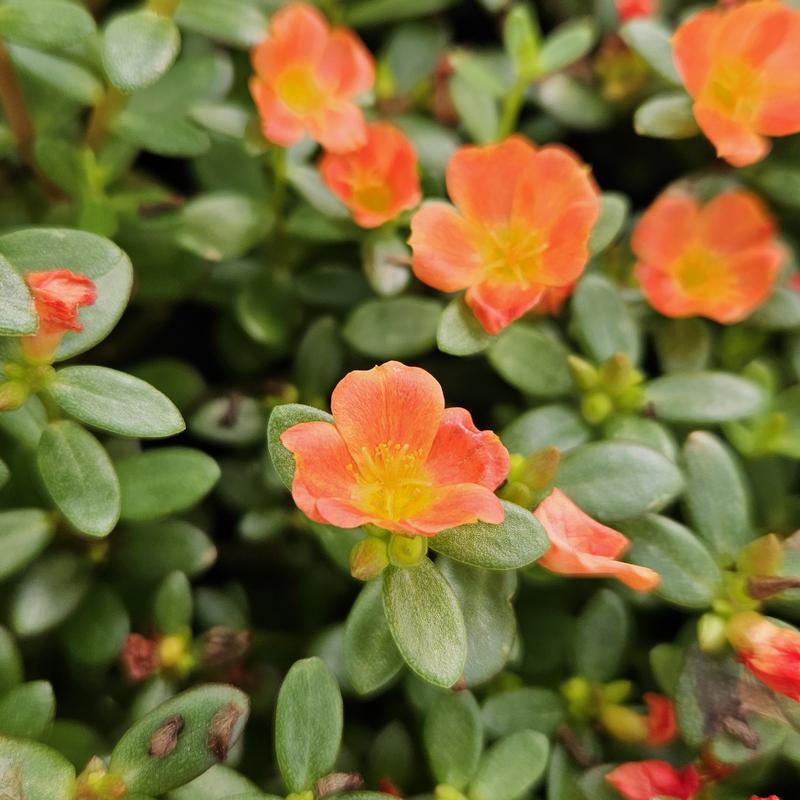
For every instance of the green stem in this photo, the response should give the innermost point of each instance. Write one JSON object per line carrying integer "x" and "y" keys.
{"x": 512, "y": 105}
{"x": 103, "y": 116}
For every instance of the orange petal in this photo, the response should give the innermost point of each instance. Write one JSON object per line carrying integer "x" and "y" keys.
{"x": 443, "y": 255}
{"x": 665, "y": 228}
{"x": 734, "y": 141}
{"x": 278, "y": 123}
{"x": 463, "y": 454}
{"x": 346, "y": 65}
{"x": 736, "y": 220}
{"x": 753, "y": 31}
{"x": 345, "y": 514}
{"x": 482, "y": 180}
{"x": 661, "y": 723}
{"x": 497, "y": 305}
{"x": 780, "y": 114}
{"x": 321, "y": 466}
{"x": 391, "y": 403}
{"x": 298, "y": 34}
{"x": 693, "y": 46}
{"x": 663, "y": 292}
{"x": 339, "y": 128}
{"x": 457, "y": 505}
{"x": 568, "y": 247}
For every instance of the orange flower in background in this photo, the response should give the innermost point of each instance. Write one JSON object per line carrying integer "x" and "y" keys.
{"x": 662, "y": 726}
{"x": 770, "y": 652}
{"x": 646, "y": 780}
{"x": 719, "y": 260}
{"x": 395, "y": 457}
{"x": 520, "y": 226}
{"x": 631, "y": 9}
{"x": 740, "y": 66}
{"x": 308, "y": 76}
{"x": 57, "y": 296}
{"x": 552, "y": 300}
{"x": 378, "y": 180}
{"x": 582, "y": 546}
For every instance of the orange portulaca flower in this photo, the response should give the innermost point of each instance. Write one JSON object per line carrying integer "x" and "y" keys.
{"x": 552, "y": 300}
{"x": 770, "y": 652}
{"x": 662, "y": 725}
{"x": 646, "y": 780}
{"x": 521, "y": 225}
{"x": 580, "y": 545}
{"x": 741, "y": 68}
{"x": 395, "y": 457}
{"x": 379, "y": 179}
{"x": 57, "y": 295}
{"x": 718, "y": 261}
{"x": 307, "y": 78}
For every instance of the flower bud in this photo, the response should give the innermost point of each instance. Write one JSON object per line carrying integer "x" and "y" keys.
{"x": 762, "y": 557}
{"x": 624, "y": 724}
{"x": 541, "y": 467}
{"x": 617, "y": 691}
{"x": 617, "y": 373}
{"x": 596, "y": 407}
{"x": 12, "y": 395}
{"x": 445, "y": 792}
{"x": 517, "y": 492}
{"x": 711, "y": 633}
{"x": 368, "y": 558}
{"x": 578, "y": 694}
{"x": 300, "y": 796}
{"x": 407, "y": 551}
{"x": 96, "y": 783}
{"x": 584, "y": 374}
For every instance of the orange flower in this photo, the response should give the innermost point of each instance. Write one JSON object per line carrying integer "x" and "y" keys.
{"x": 661, "y": 723}
{"x": 770, "y": 652}
{"x": 307, "y": 78}
{"x": 521, "y": 225}
{"x": 552, "y": 300}
{"x": 377, "y": 181}
{"x": 580, "y": 545}
{"x": 741, "y": 68}
{"x": 395, "y": 457}
{"x": 645, "y": 780}
{"x": 718, "y": 261}
{"x": 57, "y": 296}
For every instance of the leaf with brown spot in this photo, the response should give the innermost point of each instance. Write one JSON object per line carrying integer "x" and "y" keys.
{"x": 220, "y": 731}
{"x": 165, "y": 739}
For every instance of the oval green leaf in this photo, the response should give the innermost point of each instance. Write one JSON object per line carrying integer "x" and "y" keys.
{"x": 282, "y": 418}
{"x": 24, "y": 533}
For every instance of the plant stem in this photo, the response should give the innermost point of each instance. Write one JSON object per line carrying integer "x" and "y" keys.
{"x": 512, "y": 105}
{"x": 103, "y": 115}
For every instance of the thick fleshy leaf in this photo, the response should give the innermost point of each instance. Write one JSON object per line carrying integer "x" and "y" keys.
{"x": 614, "y": 210}
{"x": 308, "y": 724}
{"x": 511, "y": 767}
{"x": 17, "y": 314}
{"x": 529, "y": 708}
{"x": 547, "y": 426}
{"x": 371, "y": 658}
{"x": 24, "y": 533}
{"x": 651, "y": 40}
{"x": 689, "y": 576}
{"x": 27, "y": 710}
{"x": 616, "y": 480}
{"x": 703, "y": 398}
{"x": 666, "y": 116}
{"x": 45, "y": 24}
{"x": 79, "y": 477}
{"x": 485, "y": 600}
{"x": 602, "y": 635}
{"x": 238, "y": 23}
{"x": 32, "y": 249}
{"x": 453, "y": 737}
{"x": 516, "y": 542}
{"x": 459, "y": 332}
{"x": 426, "y": 622}
{"x": 567, "y": 44}
{"x": 180, "y": 739}
{"x": 43, "y": 774}
{"x": 116, "y": 402}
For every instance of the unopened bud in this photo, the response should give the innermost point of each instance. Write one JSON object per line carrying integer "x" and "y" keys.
{"x": 578, "y": 694}
{"x": 541, "y": 467}
{"x": 300, "y": 796}
{"x": 764, "y": 556}
{"x": 617, "y": 373}
{"x": 617, "y": 691}
{"x": 407, "y": 551}
{"x": 517, "y": 492}
{"x": 445, "y": 792}
{"x": 630, "y": 399}
{"x": 596, "y": 407}
{"x": 711, "y": 633}
{"x": 368, "y": 558}
{"x": 624, "y": 724}
{"x": 12, "y": 395}
{"x": 96, "y": 783}
{"x": 585, "y": 375}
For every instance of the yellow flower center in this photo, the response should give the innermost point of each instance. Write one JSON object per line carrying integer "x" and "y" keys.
{"x": 735, "y": 88}
{"x": 372, "y": 195}
{"x": 298, "y": 88}
{"x": 512, "y": 253}
{"x": 702, "y": 274}
{"x": 392, "y": 482}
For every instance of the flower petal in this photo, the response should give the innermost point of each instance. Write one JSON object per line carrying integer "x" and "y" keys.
{"x": 497, "y": 305}
{"x": 463, "y": 454}
{"x": 693, "y": 47}
{"x": 734, "y": 221}
{"x": 734, "y": 141}
{"x": 322, "y": 466}
{"x": 443, "y": 255}
{"x": 346, "y": 65}
{"x": 482, "y": 180}
{"x": 665, "y": 228}
{"x": 460, "y": 504}
{"x": 298, "y": 34}
{"x": 278, "y": 123}
{"x": 391, "y": 403}
{"x": 339, "y": 127}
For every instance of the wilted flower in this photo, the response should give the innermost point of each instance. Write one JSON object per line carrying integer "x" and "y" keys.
{"x": 379, "y": 179}
{"x": 395, "y": 457}
{"x": 718, "y": 260}
{"x": 645, "y": 780}
{"x": 307, "y": 78}
{"x": 580, "y": 545}
{"x": 521, "y": 226}
{"x": 741, "y": 68}
{"x": 57, "y": 295}
{"x": 770, "y": 652}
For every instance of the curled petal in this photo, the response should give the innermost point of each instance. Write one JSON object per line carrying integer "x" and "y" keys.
{"x": 497, "y": 305}
{"x": 456, "y": 505}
